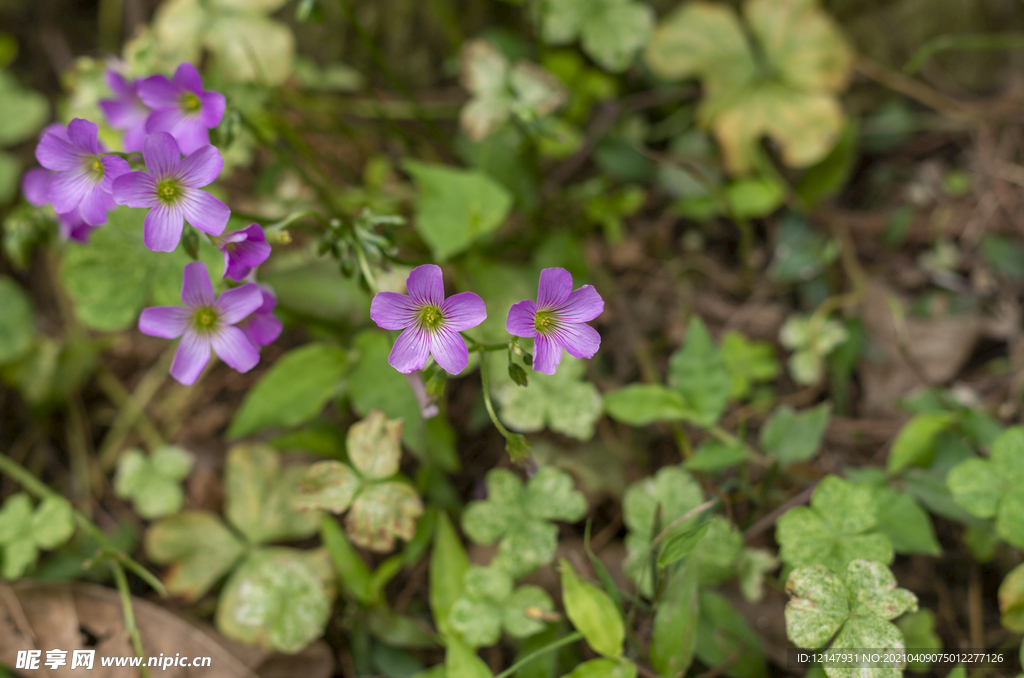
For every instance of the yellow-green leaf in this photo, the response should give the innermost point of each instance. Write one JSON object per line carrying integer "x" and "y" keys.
{"x": 593, "y": 613}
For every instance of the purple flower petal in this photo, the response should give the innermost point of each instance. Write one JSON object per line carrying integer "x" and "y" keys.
{"x": 118, "y": 84}
{"x": 212, "y": 110}
{"x": 234, "y": 348}
{"x": 73, "y": 227}
{"x": 134, "y": 138}
{"x": 166, "y": 322}
{"x": 68, "y": 188}
{"x": 449, "y": 350}
{"x": 520, "y": 319}
{"x": 191, "y": 134}
{"x": 262, "y": 329}
{"x": 161, "y": 231}
{"x": 463, "y": 310}
{"x": 163, "y": 120}
{"x": 201, "y": 168}
{"x": 244, "y": 250}
{"x": 581, "y": 341}
{"x": 547, "y": 354}
{"x": 426, "y": 285}
{"x": 196, "y": 290}
{"x": 35, "y": 186}
{"x": 113, "y": 167}
{"x": 554, "y": 287}
{"x": 158, "y": 92}
{"x": 57, "y": 154}
{"x": 191, "y": 357}
{"x": 162, "y": 155}
{"x": 120, "y": 112}
{"x": 84, "y": 136}
{"x": 93, "y": 207}
{"x": 135, "y": 189}
{"x": 187, "y": 77}
{"x": 205, "y": 212}
{"x": 411, "y": 350}
{"x": 582, "y": 306}
{"x": 235, "y": 304}
{"x": 393, "y": 311}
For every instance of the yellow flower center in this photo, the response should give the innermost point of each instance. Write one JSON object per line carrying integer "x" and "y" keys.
{"x": 167, "y": 191}
{"x": 205, "y": 318}
{"x": 543, "y": 322}
{"x": 190, "y": 102}
{"x": 431, "y": 317}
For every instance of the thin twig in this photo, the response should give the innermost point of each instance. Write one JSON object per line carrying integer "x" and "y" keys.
{"x": 765, "y": 523}
{"x": 682, "y": 519}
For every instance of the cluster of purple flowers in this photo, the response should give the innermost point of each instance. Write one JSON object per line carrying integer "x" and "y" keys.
{"x": 431, "y": 323}
{"x": 163, "y": 119}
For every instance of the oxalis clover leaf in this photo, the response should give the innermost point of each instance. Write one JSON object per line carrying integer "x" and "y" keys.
{"x": 723, "y": 557}
{"x": 839, "y": 526}
{"x": 489, "y": 604}
{"x": 276, "y": 597}
{"x": 561, "y": 401}
{"x": 153, "y": 483}
{"x": 995, "y": 487}
{"x": 24, "y": 531}
{"x": 673, "y": 490}
{"x": 611, "y": 31}
{"x": 521, "y": 517}
{"x": 788, "y": 94}
{"x": 500, "y": 90}
{"x": 859, "y": 609}
{"x": 379, "y": 509}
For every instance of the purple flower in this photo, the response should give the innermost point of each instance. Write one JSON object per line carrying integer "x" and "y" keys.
{"x": 83, "y": 177}
{"x": 431, "y": 322}
{"x": 126, "y": 111}
{"x": 262, "y": 327}
{"x": 243, "y": 250}
{"x": 35, "y": 186}
{"x": 170, "y": 188}
{"x": 181, "y": 107}
{"x": 206, "y": 322}
{"x": 73, "y": 227}
{"x": 556, "y": 320}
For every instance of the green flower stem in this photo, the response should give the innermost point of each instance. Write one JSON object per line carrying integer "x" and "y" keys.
{"x": 279, "y": 226}
{"x": 682, "y": 519}
{"x": 540, "y": 651}
{"x": 487, "y": 393}
{"x": 969, "y": 41}
{"x": 129, "y": 613}
{"x": 477, "y": 346}
{"x": 11, "y": 468}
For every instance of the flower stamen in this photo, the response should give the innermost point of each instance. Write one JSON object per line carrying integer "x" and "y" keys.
{"x": 205, "y": 319}
{"x": 190, "y": 102}
{"x": 431, "y": 317}
{"x": 543, "y": 322}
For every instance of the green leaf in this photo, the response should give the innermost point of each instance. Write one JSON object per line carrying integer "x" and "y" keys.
{"x": 699, "y": 373}
{"x": 246, "y": 45}
{"x": 593, "y": 613}
{"x": 676, "y": 492}
{"x": 639, "y": 404}
{"x": 200, "y": 548}
{"x": 818, "y": 605}
{"x": 53, "y": 523}
{"x": 748, "y": 362}
{"x": 522, "y": 613}
{"x": 10, "y": 173}
{"x": 612, "y": 32}
{"x": 352, "y": 571}
{"x": 551, "y": 495}
{"x": 681, "y": 544}
{"x": 862, "y": 632}
{"x": 987, "y": 488}
{"x": 791, "y": 437}
{"x": 461, "y": 661}
{"x": 448, "y": 564}
{"x": 260, "y": 494}
{"x": 374, "y": 385}
{"x": 719, "y": 552}
{"x": 873, "y": 592}
{"x": 715, "y": 455}
{"x": 293, "y": 391}
{"x": 114, "y": 276}
{"x": 674, "y": 637}
{"x": 604, "y": 668}
{"x": 559, "y": 401}
{"x": 382, "y": 512}
{"x": 153, "y": 484}
{"x": 478, "y": 622}
{"x": 918, "y": 629}
{"x": 455, "y": 207}
{"x": 826, "y": 178}
{"x": 724, "y": 638}
{"x": 326, "y": 486}
{"x": 907, "y": 525}
{"x": 280, "y": 598}
{"x": 17, "y": 326}
{"x": 916, "y": 440}
{"x": 839, "y": 526}
{"x": 1011, "y": 600}
{"x": 25, "y": 111}
{"x": 801, "y": 253}
{"x": 529, "y": 544}
{"x": 754, "y": 198}
{"x": 486, "y": 521}
{"x": 373, "y": 446}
